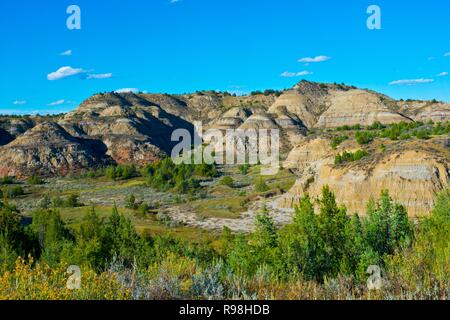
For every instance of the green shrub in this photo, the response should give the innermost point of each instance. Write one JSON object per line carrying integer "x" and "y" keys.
{"x": 350, "y": 157}
{"x": 72, "y": 201}
{"x": 6, "y": 180}
{"x": 144, "y": 208}
{"x": 358, "y": 155}
{"x": 227, "y": 181}
{"x": 121, "y": 172}
{"x": 182, "y": 178}
{"x": 404, "y": 136}
{"x": 45, "y": 202}
{"x": 34, "y": 180}
{"x": 423, "y": 134}
{"x": 244, "y": 169}
{"x": 13, "y": 192}
{"x": 377, "y": 125}
{"x": 261, "y": 186}
{"x": 323, "y": 253}
{"x": 336, "y": 141}
{"x": 441, "y": 128}
{"x": 343, "y": 128}
{"x": 57, "y": 202}
{"x": 130, "y": 202}
{"x": 364, "y": 137}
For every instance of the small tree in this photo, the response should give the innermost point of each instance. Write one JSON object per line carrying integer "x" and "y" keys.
{"x": 261, "y": 186}
{"x": 244, "y": 169}
{"x": 387, "y": 226}
{"x": 130, "y": 202}
{"x": 45, "y": 202}
{"x": 227, "y": 181}
{"x": 72, "y": 201}
{"x": 34, "y": 180}
{"x": 266, "y": 231}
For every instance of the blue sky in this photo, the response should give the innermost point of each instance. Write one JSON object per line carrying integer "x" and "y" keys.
{"x": 233, "y": 45}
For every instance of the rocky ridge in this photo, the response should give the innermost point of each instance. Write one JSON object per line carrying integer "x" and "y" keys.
{"x": 136, "y": 128}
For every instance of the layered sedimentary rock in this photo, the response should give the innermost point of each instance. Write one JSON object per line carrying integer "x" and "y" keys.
{"x": 307, "y": 152}
{"x": 425, "y": 110}
{"x": 412, "y": 173}
{"x": 357, "y": 107}
{"x": 137, "y": 128}
{"x": 49, "y": 149}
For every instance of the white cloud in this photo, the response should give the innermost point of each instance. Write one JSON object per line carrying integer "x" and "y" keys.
{"x": 66, "y": 53}
{"x": 175, "y": 1}
{"x": 57, "y": 103}
{"x": 443, "y": 74}
{"x": 411, "y": 81}
{"x": 314, "y": 59}
{"x": 64, "y": 72}
{"x": 99, "y": 76}
{"x": 19, "y": 102}
{"x": 288, "y": 74}
{"x": 127, "y": 90}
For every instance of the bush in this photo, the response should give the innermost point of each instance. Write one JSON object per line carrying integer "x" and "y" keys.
{"x": 57, "y": 202}
{"x": 423, "y": 134}
{"x": 244, "y": 169}
{"x": 13, "y": 192}
{"x": 343, "y": 128}
{"x": 6, "y": 180}
{"x": 130, "y": 202}
{"x": 165, "y": 175}
{"x": 45, "y": 202}
{"x": 364, "y": 137}
{"x": 34, "y": 180}
{"x": 336, "y": 141}
{"x": 376, "y": 126}
{"x": 323, "y": 253}
{"x": 144, "y": 208}
{"x": 121, "y": 172}
{"x": 261, "y": 186}
{"x": 227, "y": 181}
{"x": 441, "y": 128}
{"x": 358, "y": 155}
{"x": 71, "y": 201}
{"x": 404, "y": 136}
{"x": 350, "y": 157}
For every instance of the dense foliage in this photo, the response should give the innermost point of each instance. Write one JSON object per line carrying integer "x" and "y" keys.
{"x": 336, "y": 141}
{"x": 350, "y": 156}
{"x": 324, "y": 253}
{"x": 183, "y": 178}
{"x": 397, "y": 131}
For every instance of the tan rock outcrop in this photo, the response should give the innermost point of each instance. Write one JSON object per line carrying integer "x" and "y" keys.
{"x": 136, "y": 128}
{"x": 356, "y": 107}
{"x": 307, "y": 152}
{"x": 294, "y": 103}
{"x": 413, "y": 177}
{"x": 425, "y": 110}
{"x": 48, "y": 149}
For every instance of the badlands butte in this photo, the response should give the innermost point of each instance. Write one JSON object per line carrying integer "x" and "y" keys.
{"x": 318, "y": 123}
